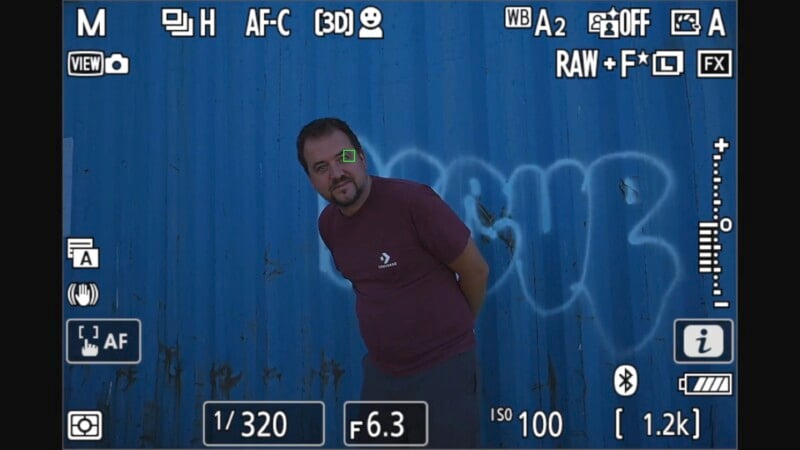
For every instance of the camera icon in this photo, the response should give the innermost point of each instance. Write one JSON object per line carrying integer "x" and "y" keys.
{"x": 84, "y": 425}
{"x": 117, "y": 64}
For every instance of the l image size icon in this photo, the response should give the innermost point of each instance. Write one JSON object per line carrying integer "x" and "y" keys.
{"x": 714, "y": 63}
{"x": 703, "y": 341}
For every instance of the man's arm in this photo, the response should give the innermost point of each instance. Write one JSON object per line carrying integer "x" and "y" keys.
{"x": 473, "y": 272}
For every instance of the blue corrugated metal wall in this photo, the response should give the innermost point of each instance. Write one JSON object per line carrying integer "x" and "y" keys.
{"x": 584, "y": 196}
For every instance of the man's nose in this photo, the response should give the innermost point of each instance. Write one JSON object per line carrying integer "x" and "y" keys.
{"x": 336, "y": 170}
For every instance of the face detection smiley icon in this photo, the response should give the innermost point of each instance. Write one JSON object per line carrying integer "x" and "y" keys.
{"x": 370, "y": 18}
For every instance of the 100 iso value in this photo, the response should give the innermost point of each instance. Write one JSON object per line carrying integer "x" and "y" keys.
{"x": 538, "y": 423}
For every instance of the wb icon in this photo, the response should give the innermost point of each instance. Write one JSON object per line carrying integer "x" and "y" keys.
{"x": 707, "y": 341}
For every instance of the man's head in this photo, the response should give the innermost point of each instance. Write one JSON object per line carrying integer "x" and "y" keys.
{"x": 334, "y": 160}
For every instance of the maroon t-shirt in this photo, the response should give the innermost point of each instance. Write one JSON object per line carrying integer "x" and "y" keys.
{"x": 395, "y": 250}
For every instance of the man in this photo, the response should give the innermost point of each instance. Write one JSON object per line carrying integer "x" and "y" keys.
{"x": 419, "y": 281}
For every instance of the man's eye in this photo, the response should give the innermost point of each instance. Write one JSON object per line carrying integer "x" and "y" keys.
{"x": 321, "y": 168}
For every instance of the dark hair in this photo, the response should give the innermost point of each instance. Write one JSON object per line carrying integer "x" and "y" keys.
{"x": 322, "y": 127}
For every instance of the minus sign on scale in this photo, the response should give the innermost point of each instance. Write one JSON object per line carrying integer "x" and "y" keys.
{"x": 722, "y": 304}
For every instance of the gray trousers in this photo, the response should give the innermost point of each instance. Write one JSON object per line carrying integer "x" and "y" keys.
{"x": 451, "y": 389}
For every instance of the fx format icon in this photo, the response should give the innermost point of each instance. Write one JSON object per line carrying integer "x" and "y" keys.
{"x": 714, "y": 63}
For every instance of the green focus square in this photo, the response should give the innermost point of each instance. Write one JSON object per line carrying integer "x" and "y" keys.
{"x": 349, "y": 155}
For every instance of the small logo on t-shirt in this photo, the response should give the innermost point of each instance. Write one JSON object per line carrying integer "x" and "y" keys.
{"x": 385, "y": 258}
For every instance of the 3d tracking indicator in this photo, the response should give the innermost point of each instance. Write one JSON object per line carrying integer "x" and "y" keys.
{"x": 342, "y": 22}
{"x": 264, "y": 424}
{"x": 104, "y": 341}
{"x": 385, "y": 424}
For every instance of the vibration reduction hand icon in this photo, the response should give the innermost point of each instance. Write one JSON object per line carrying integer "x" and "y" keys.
{"x": 82, "y": 298}
{"x": 83, "y": 294}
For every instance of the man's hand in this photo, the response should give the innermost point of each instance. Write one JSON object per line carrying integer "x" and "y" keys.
{"x": 473, "y": 273}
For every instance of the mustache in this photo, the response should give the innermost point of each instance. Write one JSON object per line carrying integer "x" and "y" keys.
{"x": 340, "y": 181}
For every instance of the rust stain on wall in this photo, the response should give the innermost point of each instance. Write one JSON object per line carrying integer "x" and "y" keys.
{"x": 223, "y": 380}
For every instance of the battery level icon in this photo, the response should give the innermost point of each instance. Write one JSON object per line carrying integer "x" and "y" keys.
{"x": 706, "y": 384}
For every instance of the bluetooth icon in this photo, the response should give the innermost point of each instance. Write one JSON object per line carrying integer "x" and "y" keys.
{"x": 626, "y": 380}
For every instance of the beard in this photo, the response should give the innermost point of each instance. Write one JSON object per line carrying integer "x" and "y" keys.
{"x": 347, "y": 201}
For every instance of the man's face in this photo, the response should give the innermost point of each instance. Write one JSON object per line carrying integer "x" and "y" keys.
{"x": 341, "y": 183}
